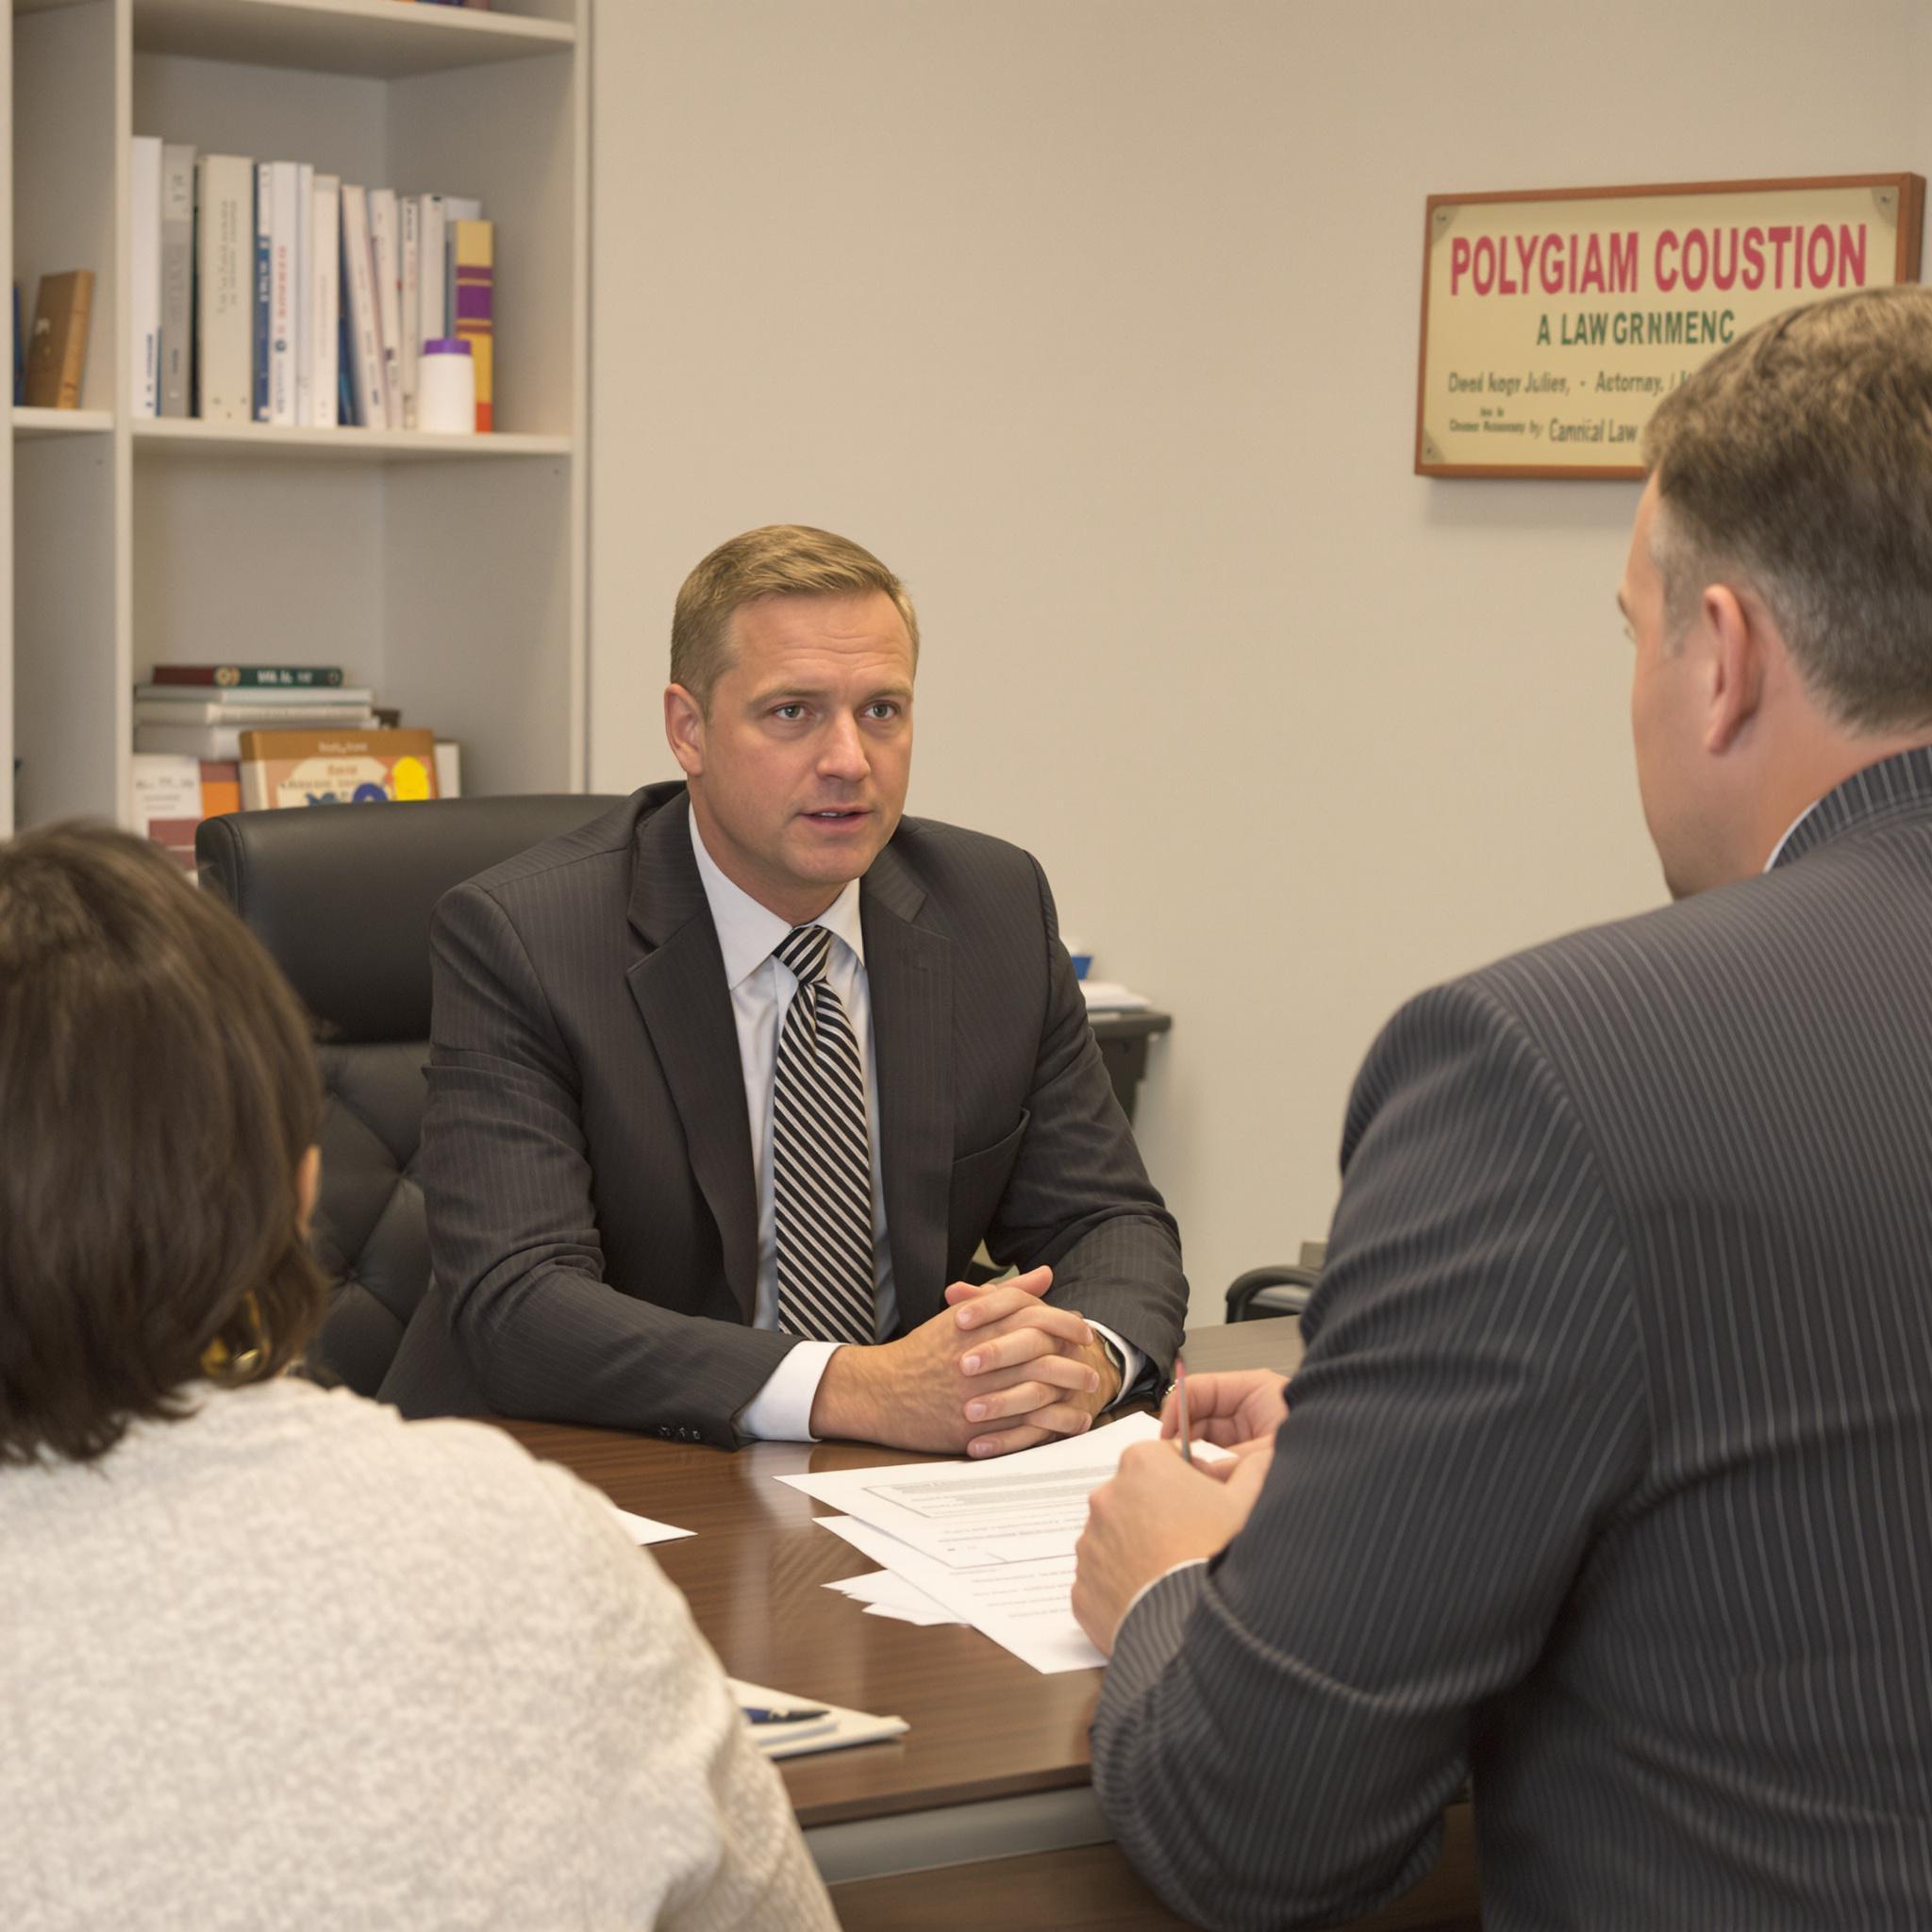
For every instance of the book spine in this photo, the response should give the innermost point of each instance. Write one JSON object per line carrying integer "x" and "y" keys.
{"x": 385, "y": 253}
{"x": 304, "y": 326}
{"x": 455, "y": 208}
{"x": 173, "y": 713}
{"x": 264, "y": 675}
{"x": 221, "y": 787}
{"x": 434, "y": 274}
{"x": 189, "y": 741}
{"x": 325, "y": 309}
{"x": 285, "y": 233}
{"x": 475, "y": 314}
{"x": 359, "y": 307}
{"x": 264, "y": 281}
{"x": 410, "y": 208}
{"x": 225, "y": 245}
{"x": 144, "y": 279}
{"x": 74, "y": 343}
{"x": 177, "y": 276}
{"x": 234, "y": 699}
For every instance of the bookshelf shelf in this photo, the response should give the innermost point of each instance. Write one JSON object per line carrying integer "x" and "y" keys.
{"x": 185, "y": 438}
{"x": 377, "y": 40}
{"x": 446, "y": 572}
{"x": 29, "y": 422}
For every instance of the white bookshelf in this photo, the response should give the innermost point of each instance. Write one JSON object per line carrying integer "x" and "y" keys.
{"x": 447, "y": 572}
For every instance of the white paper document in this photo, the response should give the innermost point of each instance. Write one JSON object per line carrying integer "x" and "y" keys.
{"x": 1026, "y": 1608}
{"x": 991, "y": 1543}
{"x": 886, "y": 1595}
{"x": 647, "y": 1529}
{"x": 1011, "y": 1509}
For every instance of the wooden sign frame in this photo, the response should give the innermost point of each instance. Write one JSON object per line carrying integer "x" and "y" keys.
{"x": 1910, "y": 191}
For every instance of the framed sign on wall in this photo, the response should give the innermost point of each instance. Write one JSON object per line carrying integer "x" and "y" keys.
{"x": 1554, "y": 320}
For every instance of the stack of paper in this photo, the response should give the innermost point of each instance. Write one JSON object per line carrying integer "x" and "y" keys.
{"x": 1111, "y": 996}
{"x": 989, "y": 1543}
{"x": 886, "y": 1595}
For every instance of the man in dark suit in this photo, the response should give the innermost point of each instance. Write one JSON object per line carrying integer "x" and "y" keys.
{"x": 727, "y": 1088}
{"x": 1607, "y": 1479}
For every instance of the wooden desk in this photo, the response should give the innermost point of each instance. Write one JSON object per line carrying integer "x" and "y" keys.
{"x": 983, "y": 1813}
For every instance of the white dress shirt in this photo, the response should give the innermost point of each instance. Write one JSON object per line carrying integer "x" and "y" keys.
{"x": 761, "y": 990}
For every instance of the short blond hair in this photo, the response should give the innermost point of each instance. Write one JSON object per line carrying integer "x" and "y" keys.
{"x": 778, "y": 560}
{"x": 1799, "y": 461}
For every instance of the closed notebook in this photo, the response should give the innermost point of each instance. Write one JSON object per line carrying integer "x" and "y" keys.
{"x": 831, "y": 1726}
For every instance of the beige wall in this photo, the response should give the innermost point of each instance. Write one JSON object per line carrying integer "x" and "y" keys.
{"x": 1097, "y": 319}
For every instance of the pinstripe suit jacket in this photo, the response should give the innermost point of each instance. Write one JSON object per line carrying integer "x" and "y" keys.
{"x": 1607, "y": 1476}
{"x": 587, "y": 1160}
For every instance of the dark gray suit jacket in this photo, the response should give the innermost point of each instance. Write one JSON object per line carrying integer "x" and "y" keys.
{"x": 1608, "y": 1476}
{"x": 587, "y": 1163}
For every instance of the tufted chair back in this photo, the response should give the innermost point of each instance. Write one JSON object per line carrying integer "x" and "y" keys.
{"x": 341, "y": 895}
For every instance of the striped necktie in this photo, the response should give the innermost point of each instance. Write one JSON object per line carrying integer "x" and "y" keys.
{"x": 821, "y": 1157}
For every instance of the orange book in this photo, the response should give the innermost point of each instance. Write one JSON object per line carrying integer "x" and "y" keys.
{"x": 472, "y": 249}
{"x": 339, "y": 767}
{"x": 56, "y": 350}
{"x": 221, "y": 787}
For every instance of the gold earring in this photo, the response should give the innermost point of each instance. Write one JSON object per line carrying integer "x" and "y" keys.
{"x": 220, "y": 1365}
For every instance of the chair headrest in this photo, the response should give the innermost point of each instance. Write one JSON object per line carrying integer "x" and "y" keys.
{"x": 341, "y": 894}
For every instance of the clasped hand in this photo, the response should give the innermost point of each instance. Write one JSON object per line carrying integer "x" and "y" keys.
{"x": 998, "y": 1369}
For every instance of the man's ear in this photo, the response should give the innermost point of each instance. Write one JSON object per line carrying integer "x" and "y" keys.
{"x": 684, "y": 729}
{"x": 1738, "y": 629}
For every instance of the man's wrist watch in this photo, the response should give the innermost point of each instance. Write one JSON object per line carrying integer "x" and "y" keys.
{"x": 1120, "y": 1366}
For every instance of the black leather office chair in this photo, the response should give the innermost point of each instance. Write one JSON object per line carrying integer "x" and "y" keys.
{"x": 1279, "y": 1290}
{"x": 342, "y": 895}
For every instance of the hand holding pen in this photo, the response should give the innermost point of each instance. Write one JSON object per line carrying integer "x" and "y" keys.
{"x": 1239, "y": 1410}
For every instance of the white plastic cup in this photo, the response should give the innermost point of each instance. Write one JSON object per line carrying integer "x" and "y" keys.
{"x": 446, "y": 388}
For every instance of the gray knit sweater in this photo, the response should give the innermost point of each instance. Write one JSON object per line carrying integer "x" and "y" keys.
{"x": 293, "y": 1662}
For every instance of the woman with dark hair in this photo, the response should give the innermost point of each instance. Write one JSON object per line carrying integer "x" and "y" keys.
{"x": 270, "y": 1656}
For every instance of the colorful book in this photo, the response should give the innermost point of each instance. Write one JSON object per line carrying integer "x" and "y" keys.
{"x": 167, "y": 807}
{"x": 224, "y": 303}
{"x": 455, "y": 208}
{"x": 297, "y": 768}
{"x": 474, "y": 246}
{"x": 144, "y": 279}
{"x": 284, "y": 234}
{"x": 57, "y": 353}
{"x": 221, "y": 787}
{"x": 177, "y": 277}
{"x": 302, "y": 326}
{"x": 245, "y": 674}
{"x": 264, "y": 281}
